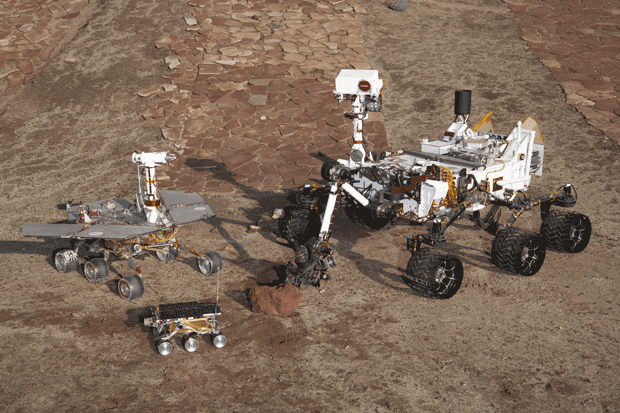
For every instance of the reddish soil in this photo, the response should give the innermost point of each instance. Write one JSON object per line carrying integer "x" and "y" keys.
{"x": 364, "y": 341}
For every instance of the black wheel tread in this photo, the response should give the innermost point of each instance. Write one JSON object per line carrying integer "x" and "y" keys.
{"x": 556, "y": 227}
{"x": 299, "y": 224}
{"x": 507, "y": 247}
{"x": 421, "y": 270}
{"x": 364, "y": 216}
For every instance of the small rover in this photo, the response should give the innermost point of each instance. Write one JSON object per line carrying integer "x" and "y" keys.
{"x": 190, "y": 319}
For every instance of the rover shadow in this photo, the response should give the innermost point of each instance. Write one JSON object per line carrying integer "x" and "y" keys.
{"x": 135, "y": 318}
{"x": 261, "y": 269}
{"x": 240, "y": 296}
{"x": 266, "y": 200}
{"x": 45, "y": 247}
{"x": 388, "y": 275}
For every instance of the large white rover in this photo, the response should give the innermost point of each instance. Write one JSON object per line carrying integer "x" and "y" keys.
{"x": 126, "y": 229}
{"x": 467, "y": 170}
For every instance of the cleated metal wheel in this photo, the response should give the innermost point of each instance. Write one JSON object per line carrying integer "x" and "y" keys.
{"x": 566, "y": 232}
{"x": 66, "y": 260}
{"x": 488, "y": 218}
{"x": 170, "y": 254}
{"x": 130, "y": 287}
{"x": 219, "y": 340}
{"x": 434, "y": 274}
{"x": 210, "y": 263}
{"x": 364, "y": 216}
{"x": 518, "y": 251}
{"x": 164, "y": 348}
{"x": 190, "y": 343}
{"x": 299, "y": 223}
{"x": 96, "y": 270}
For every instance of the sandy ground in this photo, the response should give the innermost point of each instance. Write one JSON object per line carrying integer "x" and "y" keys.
{"x": 364, "y": 342}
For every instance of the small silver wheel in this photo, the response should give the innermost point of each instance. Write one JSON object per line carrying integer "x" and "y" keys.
{"x": 130, "y": 287}
{"x": 219, "y": 340}
{"x": 170, "y": 254}
{"x": 164, "y": 348}
{"x": 96, "y": 270}
{"x": 190, "y": 343}
{"x": 66, "y": 261}
{"x": 210, "y": 263}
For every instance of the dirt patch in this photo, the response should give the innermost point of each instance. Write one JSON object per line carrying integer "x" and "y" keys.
{"x": 364, "y": 342}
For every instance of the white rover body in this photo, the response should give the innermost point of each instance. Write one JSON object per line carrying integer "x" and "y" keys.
{"x": 468, "y": 169}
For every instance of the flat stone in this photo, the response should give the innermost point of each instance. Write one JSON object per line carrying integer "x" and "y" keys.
{"x": 166, "y": 41}
{"x": 35, "y": 36}
{"x": 289, "y": 47}
{"x": 171, "y": 134}
{"x": 571, "y": 86}
{"x": 550, "y": 63}
{"x": 237, "y": 160}
{"x": 194, "y": 126}
{"x": 258, "y": 100}
{"x": 232, "y": 86}
{"x": 190, "y": 20}
{"x": 205, "y": 69}
{"x": 149, "y": 91}
{"x": 230, "y": 51}
{"x": 26, "y": 66}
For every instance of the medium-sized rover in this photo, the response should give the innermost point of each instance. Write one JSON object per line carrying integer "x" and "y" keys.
{"x": 125, "y": 229}
{"x": 468, "y": 169}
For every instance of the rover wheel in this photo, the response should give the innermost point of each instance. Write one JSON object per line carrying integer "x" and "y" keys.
{"x": 299, "y": 224}
{"x": 566, "y": 232}
{"x": 434, "y": 274}
{"x": 219, "y": 340}
{"x": 96, "y": 270}
{"x": 518, "y": 251}
{"x": 364, "y": 216}
{"x": 66, "y": 261}
{"x": 190, "y": 343}
{"x": 164, "y": 348}
{"x": 307, "y": 197}
{"x": 326, "y": 170}
{"x": 210, "y": 263}
{"x": 490, "y": 221}
{"x": 170, "y": 255}
{"x": 130, "y": 287}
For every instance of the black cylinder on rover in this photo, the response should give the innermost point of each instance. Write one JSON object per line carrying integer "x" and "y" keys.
{"x": 462, "y": 102}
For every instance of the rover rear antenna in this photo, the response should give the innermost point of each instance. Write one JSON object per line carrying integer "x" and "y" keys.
{"x": 462, "y": 104}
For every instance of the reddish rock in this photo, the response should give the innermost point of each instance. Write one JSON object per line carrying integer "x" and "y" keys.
{"x": 278, "y": 301}
{"x": 25, "y": 65}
